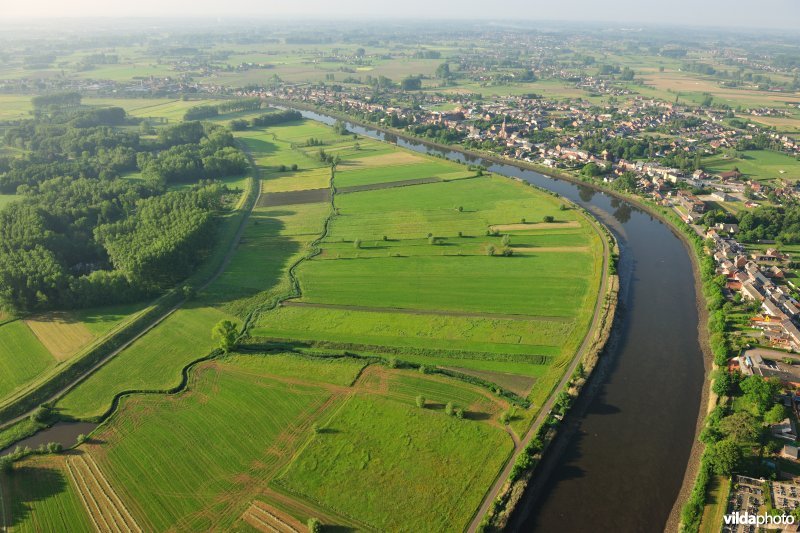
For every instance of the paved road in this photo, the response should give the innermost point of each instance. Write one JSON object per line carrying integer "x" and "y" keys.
{"x": 160, "y": 318}
{"x": 548, "y": 405}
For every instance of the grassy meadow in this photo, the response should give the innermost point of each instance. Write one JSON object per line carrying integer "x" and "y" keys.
{"x": 263, "y": 427}
{"x": 39, "y": 496}
{"x": 245, "y": 429}
{"x": 760, "y": 165}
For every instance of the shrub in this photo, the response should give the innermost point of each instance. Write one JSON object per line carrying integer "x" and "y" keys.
{"x": 421, "y": 401}
{"x": 41, "y": 414}
{"x": 549, "y": 218}
{"x": 449, "y": 409}
{"x": 506, "y": 239}
{"x": 508, "y": 252}
{"x": 460, "y": 414}
{"x": 54, "y": 447}
{"x": 490, "y": 250}
{"x": 294, "y": 166}
{"x": 357, "y": 243}
{"x": 314, "y": 525}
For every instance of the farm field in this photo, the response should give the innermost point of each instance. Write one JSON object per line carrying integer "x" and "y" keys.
{"x": 212, "y": 486}
{"x": 393, "y": 447}
{"x": 153, "y": 362}
{"x": 379, "y": 282}
{"x": 274, "y": 238}
{"x": 22, "y": 356}
{"x": 370, "y": 278}
{"x": 761, "y": 165}
{"x": 39, "y": 496}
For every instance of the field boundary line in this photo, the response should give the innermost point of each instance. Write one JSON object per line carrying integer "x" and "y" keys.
{"x": 86, "y": 494}
{"x": 119, "y": 506}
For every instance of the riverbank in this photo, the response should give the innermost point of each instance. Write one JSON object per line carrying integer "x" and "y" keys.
{"x": 676, "y": 226}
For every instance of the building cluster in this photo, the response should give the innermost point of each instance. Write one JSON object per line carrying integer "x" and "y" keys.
{"x": 758, "y": 277}
{"x": 554, "y": 133}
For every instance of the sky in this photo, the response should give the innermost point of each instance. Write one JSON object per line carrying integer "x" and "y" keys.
{"x": 781, "y": 14}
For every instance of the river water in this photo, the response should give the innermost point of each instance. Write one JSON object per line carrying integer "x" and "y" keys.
{"x": 620, "y": 462}
{"x": 65, "y": 433}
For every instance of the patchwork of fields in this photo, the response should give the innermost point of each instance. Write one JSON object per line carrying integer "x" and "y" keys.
{"x": 232, "y": 439}
{"x": 405, "y": 260}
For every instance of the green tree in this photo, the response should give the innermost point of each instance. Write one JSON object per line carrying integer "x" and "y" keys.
{"x": 226, "y": 332}
{"x": 449, "y": 409}
{"x": 421, "y": 401}
{"x": 759, "y": 391}
{"x": 775, "y": 414}
{"x": 725, "y": 457}
{"x": 741, "y": 427}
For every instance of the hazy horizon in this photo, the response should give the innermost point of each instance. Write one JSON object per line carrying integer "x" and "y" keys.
{"x": 777, "y": 14}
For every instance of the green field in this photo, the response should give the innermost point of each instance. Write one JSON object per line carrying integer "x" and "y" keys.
{"x": 761, "y": 165}
{"x": 417, "y": 465}
{"x": 153, "y": 362}
{"x": 38, "y": 496}
{"x": 206, "y": 486}
{"x": 243, "y": 430}
{"x": 243, "y": 420}
{"x": 22, "y": 357}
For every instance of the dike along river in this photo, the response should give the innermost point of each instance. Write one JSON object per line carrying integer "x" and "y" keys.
{"x": 620, "y": 461}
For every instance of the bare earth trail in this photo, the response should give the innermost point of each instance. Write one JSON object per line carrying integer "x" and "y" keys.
{"x": 548, "y": 405}
{"x": 163, "y": 316}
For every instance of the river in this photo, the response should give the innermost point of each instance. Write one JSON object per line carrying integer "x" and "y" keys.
{"x": 620, "y": 462}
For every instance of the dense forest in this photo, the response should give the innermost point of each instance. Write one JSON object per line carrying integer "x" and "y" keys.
{"x": 771, "y": 223}
{"x": 83, "y": 235}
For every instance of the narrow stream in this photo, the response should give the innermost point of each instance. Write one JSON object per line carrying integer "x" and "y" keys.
{"x": 620, "y": 463}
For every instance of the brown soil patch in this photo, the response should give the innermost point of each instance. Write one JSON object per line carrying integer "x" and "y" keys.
{"x": 60, "y": 333}
{"x": 388, "y": 185}
{"x": 520, "y": 385}
{"x": 394, "y": 158}
{"x": 537, "y": 226}
{"x": 266, "y": 518}
{"x": 308, "y": 196}
{"x": 103, "y": 506}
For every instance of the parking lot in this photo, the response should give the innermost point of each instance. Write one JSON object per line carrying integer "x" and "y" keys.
{"x": 749, "y": 497}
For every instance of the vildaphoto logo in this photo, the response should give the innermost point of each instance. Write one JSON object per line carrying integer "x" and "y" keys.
{"x": 747, "y": 519}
